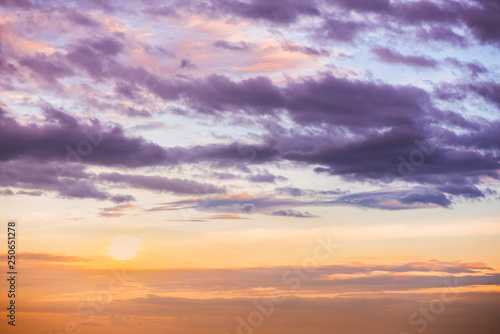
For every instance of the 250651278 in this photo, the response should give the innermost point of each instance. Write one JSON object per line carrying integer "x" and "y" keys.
{"x": 11, "y": 273}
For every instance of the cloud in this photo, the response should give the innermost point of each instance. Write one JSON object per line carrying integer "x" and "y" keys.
{"x": 340, "y": 30}
{"x": 467, "y": 191}
{"x": 441, "y": 33}
{"x": 31, "y": 193}
{"x": 395, "y": 199}
{"x": 232, "y": 203}
{"x": 25, "y": 4}
{"x": 334, "y": 279}
{"x": 36, "y": 177}
{"x": 240, "y": 46}
{"x": 304, "y": 49}
{"x": 474, "y": 68}
{"x": 117, "y": 211}
{"x": 106, "y": 46}
{"x": 279, "y": 12}
{"x": 46, "y": 68}
{"x": 483, "y": 19}
{"x": 265, "y": 177}
{"x": 158, "y": 183}
{"x": 390, "y": 56}
{"x": 82, "y": 19}
{"x": 363, "y": 5}
{"x": 47, "y": 257}
{"x": 292, "y": 213}
{"x": 426, "y": 11}
{"x": 410, "y": 152}
{"x": 297, "y": 192}
{"x": 401, "y": 154}
{"x": 61, "y": 137}
{"x": 186, "y": 63}
{"x": 328, "y": 99}
{"x": 6, "y": 192}
{"x": 225, "y": 216}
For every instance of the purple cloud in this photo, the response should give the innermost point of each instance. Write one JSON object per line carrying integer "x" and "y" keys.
{"x": 37, "y": 177}
{"x": 6, "y": 192}
{"x": 48, "y": 69}
{"x": 305, "y": 49}
{"x": 163, "y": 184}
{"x": 62, "y": 138}
{"x": 292, "y": 213}
{"x": 82, "y": 19}
{"x": 483, "y": 19}
{"x": 275, "y": 11}
{"x": 240, "y": 46}
{"x": 25, "y": 4}
{"x": 362, "y": 5}
{"x": 390, "y": 56}
{"x": 427, "y": 11}
{"x": 340, "y": 30}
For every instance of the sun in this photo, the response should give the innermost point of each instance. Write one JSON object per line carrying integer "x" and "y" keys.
{"x": 124, "y": 248}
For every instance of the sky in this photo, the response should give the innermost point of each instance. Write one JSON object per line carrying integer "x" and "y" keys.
{"x": 251, "y": 166}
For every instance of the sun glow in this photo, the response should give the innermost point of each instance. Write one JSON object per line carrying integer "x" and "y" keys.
{"x": 124, "y": 248}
